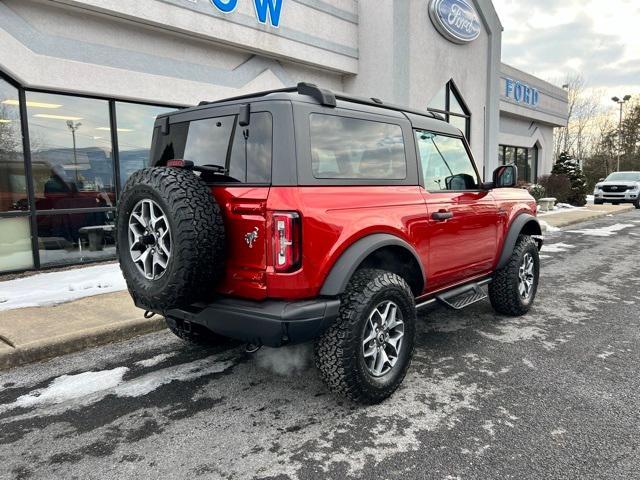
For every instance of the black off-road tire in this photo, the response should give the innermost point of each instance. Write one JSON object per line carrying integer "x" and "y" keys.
{"x": 338, "y": 352}
{"x": 197, "y": 238}
{"x": 637, "y": 203}
{"x": 503, "y": 289}
{"x": 598, "y": 202}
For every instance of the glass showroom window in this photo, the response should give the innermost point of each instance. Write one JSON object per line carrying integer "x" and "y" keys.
{"x": 450, "y": 104}
{"x": 135, "y": 128}
{"x": 526, "y": 159}
{"x": 15, "y": 233}
{"x": 72, "y": 171}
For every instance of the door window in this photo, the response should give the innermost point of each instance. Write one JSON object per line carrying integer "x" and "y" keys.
{"x": 351, "y": 148}
{"x": 446, "y": 164}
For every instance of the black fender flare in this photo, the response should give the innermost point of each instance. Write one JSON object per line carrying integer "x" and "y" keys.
{"x": 522, "y": 221}
{"x": 343, "y": 269}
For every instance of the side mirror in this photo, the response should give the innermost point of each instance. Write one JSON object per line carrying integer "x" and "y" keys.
{"x": 505, "y": 176}
{"x": 601, "y": 180}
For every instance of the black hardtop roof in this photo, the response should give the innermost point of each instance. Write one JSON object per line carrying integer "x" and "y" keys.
{"x": 305, "y": 91}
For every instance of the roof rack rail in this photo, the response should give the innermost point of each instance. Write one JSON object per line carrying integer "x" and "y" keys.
{"x": 327, "y": 98}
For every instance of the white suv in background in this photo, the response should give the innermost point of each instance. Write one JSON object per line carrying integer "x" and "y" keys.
{"x": 619, "y": 187}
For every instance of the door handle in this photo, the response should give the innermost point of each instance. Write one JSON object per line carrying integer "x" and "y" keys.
{"x": 442, "y": 215}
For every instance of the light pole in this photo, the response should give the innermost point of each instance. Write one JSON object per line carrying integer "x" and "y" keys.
{"x": 73, "y": 127}
{"x": 624, "y": 100}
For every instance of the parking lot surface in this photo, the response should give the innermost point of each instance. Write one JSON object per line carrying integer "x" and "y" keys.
{"x": 553, "y": 394}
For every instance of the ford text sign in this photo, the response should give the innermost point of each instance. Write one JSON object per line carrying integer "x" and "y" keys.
{"x": 521, "y": 92}
{"x": 456, "y": 20}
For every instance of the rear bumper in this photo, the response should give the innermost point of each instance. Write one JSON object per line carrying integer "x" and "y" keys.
{"x": 272, "y": 323}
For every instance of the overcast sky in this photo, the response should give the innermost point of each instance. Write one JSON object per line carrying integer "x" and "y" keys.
{"x": 597, "y": 38}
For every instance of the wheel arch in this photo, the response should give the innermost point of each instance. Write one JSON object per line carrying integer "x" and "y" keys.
{"x": 380, "y": 250}
{"x": 523, "y": 224}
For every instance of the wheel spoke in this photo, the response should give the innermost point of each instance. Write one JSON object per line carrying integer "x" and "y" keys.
{"x": 372, "y": 332}
{"x": 380, "y": 362}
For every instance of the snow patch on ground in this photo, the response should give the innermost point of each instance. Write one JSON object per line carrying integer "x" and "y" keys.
{"x": 546, "y": 227}
{"x": 153, "y": 361}
{"x": 557, "y": 247}
{"x": 603, "y": 231}
{"x": 58, "y": 287}
{"x": 72, "y": 392}
{"x": 605, "y": 355}
{"x": 70, "y": 387}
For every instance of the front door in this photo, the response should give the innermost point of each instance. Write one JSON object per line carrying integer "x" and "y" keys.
{"x": 463, "y": 220}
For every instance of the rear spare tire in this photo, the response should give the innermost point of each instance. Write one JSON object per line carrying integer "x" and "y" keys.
{"x": 170, "y": 238}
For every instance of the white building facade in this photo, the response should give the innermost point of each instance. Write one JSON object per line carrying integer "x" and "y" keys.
{"x": 81, "y": 82}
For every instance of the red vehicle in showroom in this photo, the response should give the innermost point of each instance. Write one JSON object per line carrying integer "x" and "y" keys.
{"x": 299, "y": 214}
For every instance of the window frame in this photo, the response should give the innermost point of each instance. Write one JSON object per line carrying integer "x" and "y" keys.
{"x": 450, "y": 87}
{"x": 531, "y": 158}
{"x": 32, "y": 213}
{"x": 469, "y": 154}
{"x": 217, "y": 112}
{"x": 302, "y": 118}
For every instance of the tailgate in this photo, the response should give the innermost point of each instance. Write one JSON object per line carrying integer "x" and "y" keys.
{"x": 244, "y": 212}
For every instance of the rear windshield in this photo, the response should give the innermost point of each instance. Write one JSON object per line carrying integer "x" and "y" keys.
{"x": 244, "y": 152}
{"x": 350, "y": 148}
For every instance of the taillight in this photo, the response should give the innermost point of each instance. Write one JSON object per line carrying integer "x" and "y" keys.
{"x": 286, "y": 241}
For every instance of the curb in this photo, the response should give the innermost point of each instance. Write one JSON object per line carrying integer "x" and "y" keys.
{"x": 593, "y": 215}
{"x": 79, "y": 340}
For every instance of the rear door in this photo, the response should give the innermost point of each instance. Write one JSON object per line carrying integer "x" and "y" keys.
{"x": 463, "y": 220}
{"x": 215, "y": 137}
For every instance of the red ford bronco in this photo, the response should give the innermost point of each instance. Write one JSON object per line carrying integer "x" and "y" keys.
{"x": 299, "y": 214}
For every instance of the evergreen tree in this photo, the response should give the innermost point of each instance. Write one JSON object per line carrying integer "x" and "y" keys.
{"x": 568, "y": 166}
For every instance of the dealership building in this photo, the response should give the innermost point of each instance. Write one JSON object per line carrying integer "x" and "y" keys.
{"x": 81, "y": 82}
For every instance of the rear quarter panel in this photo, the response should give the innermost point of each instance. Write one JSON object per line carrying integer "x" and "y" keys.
{"x": 335, "y": 217}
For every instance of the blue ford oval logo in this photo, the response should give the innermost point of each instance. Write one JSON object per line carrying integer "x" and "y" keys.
{"x": 456, "y": 20}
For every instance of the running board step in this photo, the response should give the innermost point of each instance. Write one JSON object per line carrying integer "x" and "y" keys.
{"x": 463, "y": 297}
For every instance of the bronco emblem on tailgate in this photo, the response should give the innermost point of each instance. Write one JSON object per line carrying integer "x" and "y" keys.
{"x": 251, "y": 237}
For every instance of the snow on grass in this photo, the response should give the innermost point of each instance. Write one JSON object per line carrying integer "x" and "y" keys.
{"x": 557, "y": 247}
{"x": 563, "y": 208}
{"x": 59, "y": 287}
{"x": 603, "y": 231}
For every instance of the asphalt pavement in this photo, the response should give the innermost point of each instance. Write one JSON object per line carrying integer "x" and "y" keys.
{"x": 553, "y": 394}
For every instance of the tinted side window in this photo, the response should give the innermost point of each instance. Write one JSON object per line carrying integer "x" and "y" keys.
{"x": 350, "y": 148}
{"x": 446, "y": 164}
{"x": 208, "y": 140}
{"x": 244, "y": 151}
{"x": 251, "y": 151}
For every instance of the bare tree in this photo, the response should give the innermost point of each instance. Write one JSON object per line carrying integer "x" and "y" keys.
{"x": 584, "y": 107}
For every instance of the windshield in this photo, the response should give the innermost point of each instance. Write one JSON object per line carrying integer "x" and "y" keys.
{"x": 624, "y": 177}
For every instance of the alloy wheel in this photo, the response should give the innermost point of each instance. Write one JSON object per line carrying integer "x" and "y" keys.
{"x": 526, "y": 277}
{"x": 382, "y": 338}
{"x": 149, "y": 239}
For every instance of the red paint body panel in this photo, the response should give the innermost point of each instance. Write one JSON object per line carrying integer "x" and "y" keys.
{"x": 333, "y": 218}
{"x": 244, "y": 210}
